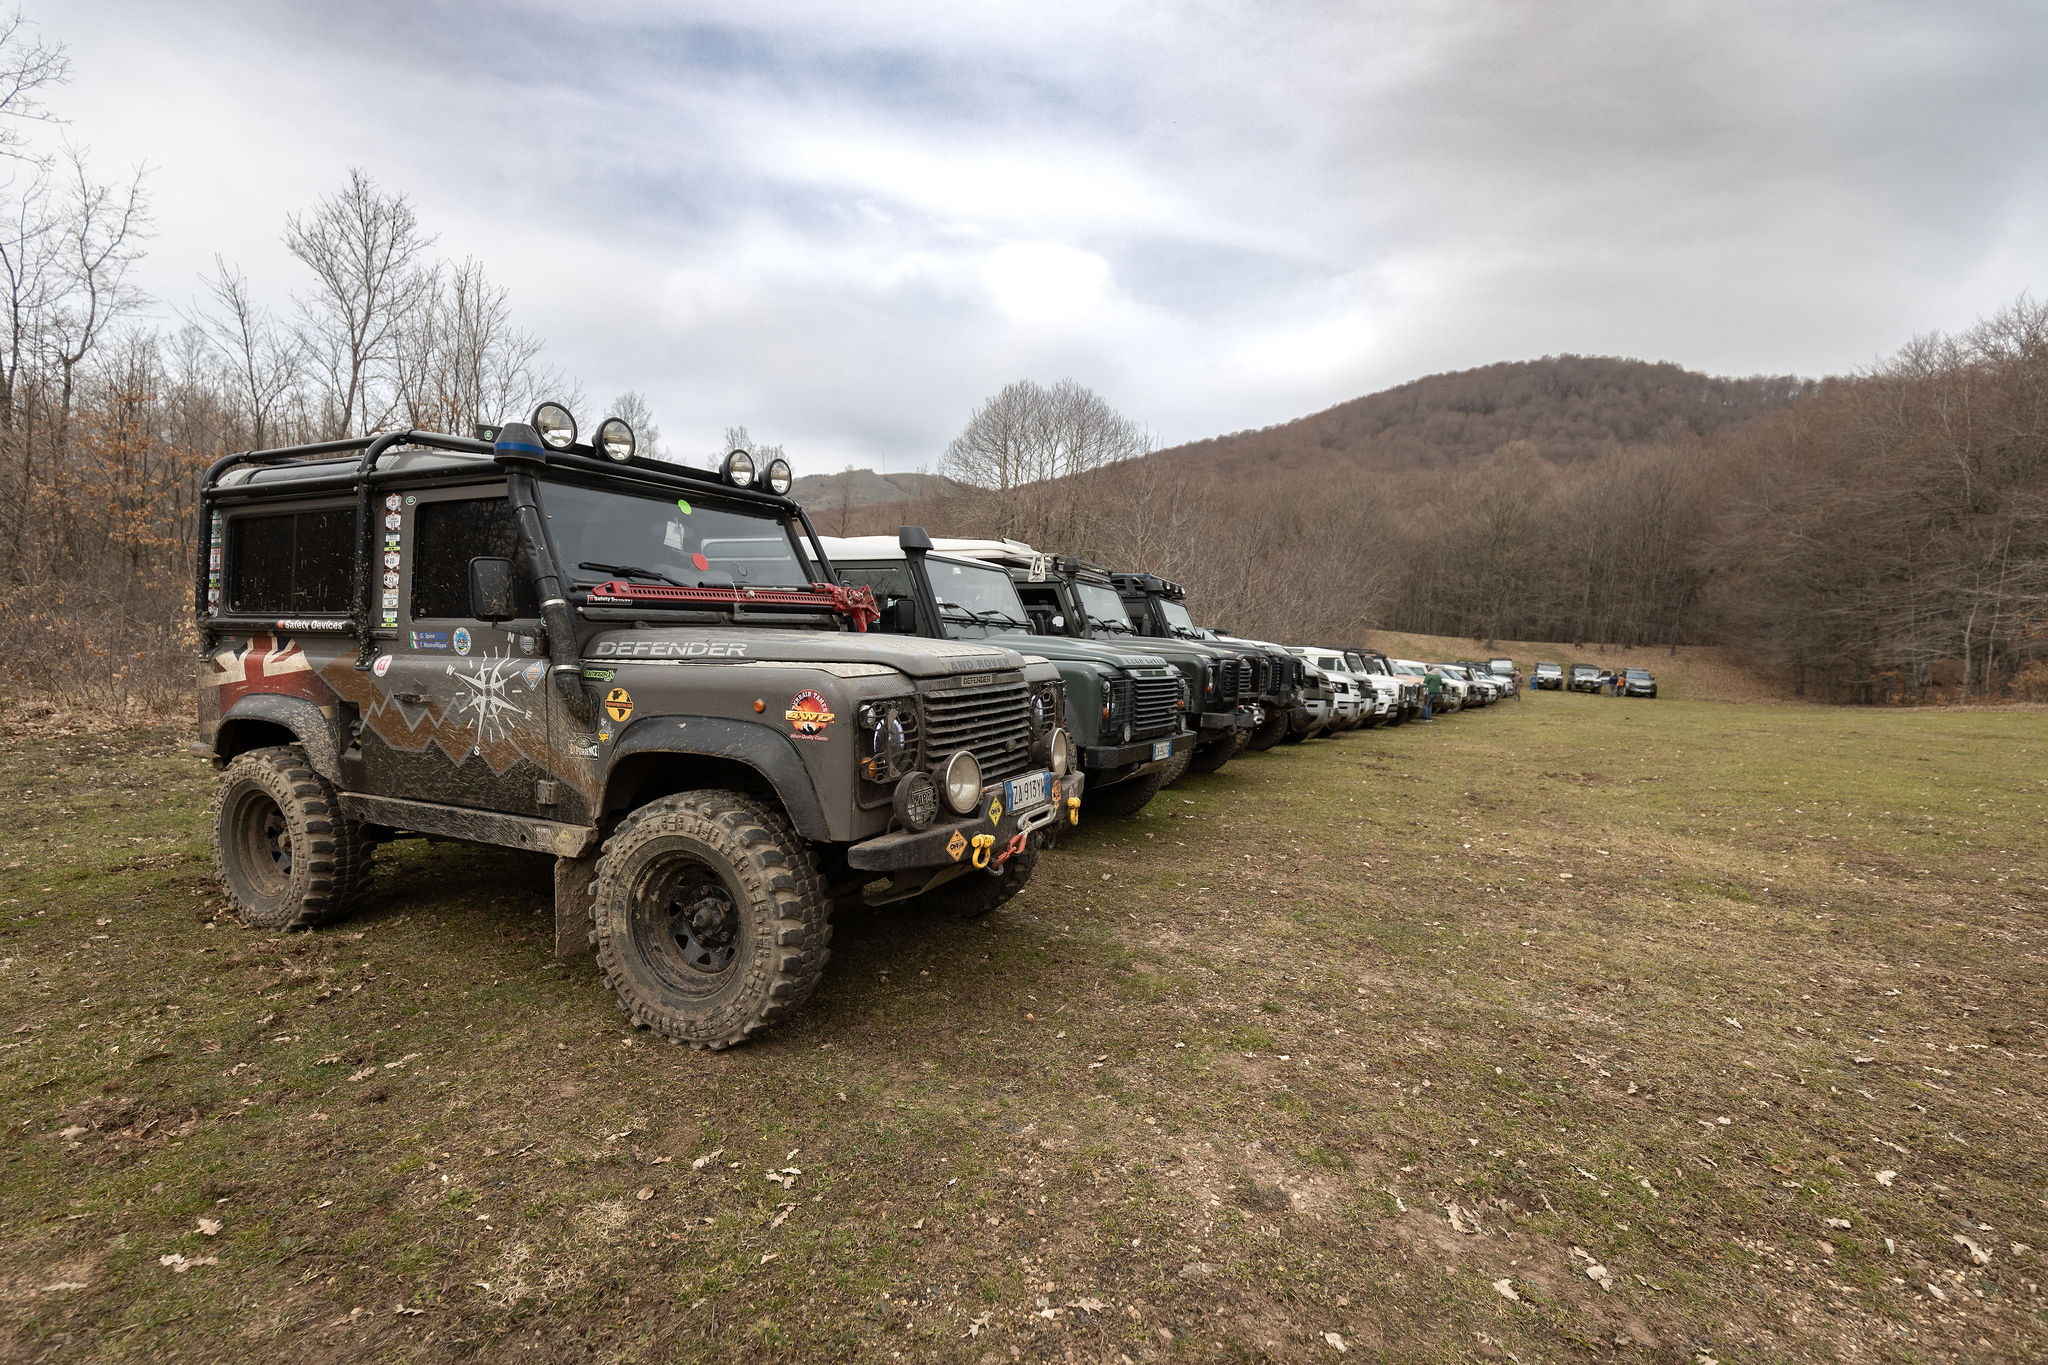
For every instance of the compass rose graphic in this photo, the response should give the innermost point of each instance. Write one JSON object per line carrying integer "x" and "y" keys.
{"x": 488, "y": 700}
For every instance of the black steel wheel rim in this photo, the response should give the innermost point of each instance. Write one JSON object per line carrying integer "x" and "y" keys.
{"x": 687, "y": 924}
{"x": 262, "y": 842}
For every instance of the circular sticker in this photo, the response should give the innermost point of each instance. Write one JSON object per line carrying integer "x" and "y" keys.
{"x": 410, "y": 500}
{"x": 683, "y": 505}
{"x": 808, "y": 715}
{"x": 618, "y": 703}
{"x": 462, "y": 639}
{"x": 382, "y": 666}
{"x": 391, "y": 503}
{"x": 700, "y": 561}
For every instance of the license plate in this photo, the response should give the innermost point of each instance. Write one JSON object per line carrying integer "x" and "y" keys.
{"x": 1163, "y": 749}
{"x": 1027, "y": 791}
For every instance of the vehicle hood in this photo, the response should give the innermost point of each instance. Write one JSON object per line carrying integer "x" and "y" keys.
{"x": 910, "y": 655}
{"x": 1068, "y": 648}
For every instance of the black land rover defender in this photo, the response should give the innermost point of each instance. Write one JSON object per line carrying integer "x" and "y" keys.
{"x": 1126, "y": 706}
{"x": 532, "y": 642}
{"x": 1068, "y": 596}
{"x": 1157, "y": 607}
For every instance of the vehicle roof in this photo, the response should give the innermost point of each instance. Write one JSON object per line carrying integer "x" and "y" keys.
{"x": 403, "y": 461}
{"x": 857, "y": 548}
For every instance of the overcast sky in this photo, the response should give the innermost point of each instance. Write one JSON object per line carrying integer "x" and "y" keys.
{"x": 844, "y": 224}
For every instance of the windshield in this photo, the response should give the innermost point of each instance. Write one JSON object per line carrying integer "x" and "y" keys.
{"x": 1548, "y": 669}
{"x": 1583, "y": 670}
{"x": 975, "y": 599}
{"x": 1638, "y": 675}
{"x": 601, "y": 534}
{"x": 1104, "y": 607}
{"x": 1177, "y": 619}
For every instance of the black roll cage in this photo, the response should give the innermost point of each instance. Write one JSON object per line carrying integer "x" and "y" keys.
{"x": 577, "y": 459}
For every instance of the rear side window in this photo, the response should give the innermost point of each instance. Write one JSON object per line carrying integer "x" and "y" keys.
{"x": 446, "y": 536}
{"x": 890, "y": 583}
{"x": 294, "y": 563}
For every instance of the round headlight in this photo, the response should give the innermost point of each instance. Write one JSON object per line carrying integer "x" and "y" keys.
{"x": 739, "y": 468}
{"x": 1062, "y": 753}
{"x": 778, "y": 477}
{"x": 1042, "y": 709}
{"x": 917, "y": 802}
{"x": 556, "y": 426}
{"x": 962, "y": 778}
{"x": 615, "y": 438}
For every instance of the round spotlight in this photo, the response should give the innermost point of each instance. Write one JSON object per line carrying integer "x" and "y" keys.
{"x": 917, "y": 802}
{"x": 739, "y": 468}
{"x": 778, "y": 478}
{"x": 556, "y": 426}
{"x": 962, "y": 779}
{"x": 1061, "y": 752}
{"x": 615, "y": 439}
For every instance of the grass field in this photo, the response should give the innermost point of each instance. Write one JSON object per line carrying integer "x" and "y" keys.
{"x": 1569, "y": 1029}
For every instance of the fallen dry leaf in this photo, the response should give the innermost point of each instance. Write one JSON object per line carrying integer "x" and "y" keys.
{"x": 1506, "y": 1290}
{"x": 701, "y": 1162}
{"x": 644, "y": 1192}
{"x": 1978, "y": 1255}
{"x": 210, "y": 1226}
{"x": 1335, "y": 1341}
{"x": 1885, "y": 1178}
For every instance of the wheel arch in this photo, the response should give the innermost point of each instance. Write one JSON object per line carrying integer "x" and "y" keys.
{"x": 257, "y": 722}
{"x": 661, "y": 756}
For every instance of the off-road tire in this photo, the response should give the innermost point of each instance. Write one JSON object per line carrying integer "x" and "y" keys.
{"x": 975, "y": 894}
{"x": 1267, "y": 735}
{"x": 1293, "y": 736}
{"x": 285, "y": 854}
{"x": 737, "y": 853}
{"x": 1127, "y": 797}
{"x": 1213, "y": 756}
{"x": 1177, "y": 766}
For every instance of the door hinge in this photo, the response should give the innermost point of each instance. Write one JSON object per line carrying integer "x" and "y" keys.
{"x": 544, "y": 793}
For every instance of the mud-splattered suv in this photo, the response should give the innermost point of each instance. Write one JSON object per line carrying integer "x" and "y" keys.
{"x": 532, "y": 642}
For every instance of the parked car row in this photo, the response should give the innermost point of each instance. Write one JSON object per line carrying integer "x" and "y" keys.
{"x": 1619, "y": 682}
{"x": 722, "y": 727}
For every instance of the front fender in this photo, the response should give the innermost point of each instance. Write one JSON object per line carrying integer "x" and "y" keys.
{"x": 768, "y": 752}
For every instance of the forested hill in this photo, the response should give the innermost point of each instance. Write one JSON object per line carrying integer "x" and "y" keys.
{"x": 1567, "y": 408}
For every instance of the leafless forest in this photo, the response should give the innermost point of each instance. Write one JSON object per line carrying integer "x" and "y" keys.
{"x": 1879, "y": 537}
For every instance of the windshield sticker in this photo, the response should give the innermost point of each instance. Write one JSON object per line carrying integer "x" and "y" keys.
{"x": 462, "y": 639}
{"x": 808, "y": 715}
{"x": 618, "y": 704}
{"x": 683, "y": 505}
{"x": 382, "y": 666}
{"x": 703, "y": 564}
{"x": 430, "y": 639}
{"x": 533, "y": 673}
{"x": 670, "y": 649}
{"x": 673, "y": 535}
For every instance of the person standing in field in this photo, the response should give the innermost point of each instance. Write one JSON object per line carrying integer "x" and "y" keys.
{"x": 1432, "y": 683}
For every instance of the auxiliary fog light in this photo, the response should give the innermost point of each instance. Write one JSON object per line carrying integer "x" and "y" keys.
{"x": 1061, "y": 753}
{"x": 739, "y": 469}
{"x": 556, "y": 425}
{"x": 778, "y": 478}
{"x": 917, "y": 801}
{"x": 615, "y": 439}
{"x": 962, "y": 779}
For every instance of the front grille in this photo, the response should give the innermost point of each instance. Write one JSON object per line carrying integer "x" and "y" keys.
{"x": 1157, "y": 707}
{"x": 992, "y": 722}
{"x": 1244, "y": 678}
{"x": 1226, "y": 686}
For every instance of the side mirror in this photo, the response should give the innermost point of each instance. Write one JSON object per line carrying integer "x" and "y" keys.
{"x": 902, "y": 617}
{"x": 490, "y": 590}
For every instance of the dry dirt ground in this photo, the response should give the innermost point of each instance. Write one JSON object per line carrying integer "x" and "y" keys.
{"x": 1572, "y": 1029}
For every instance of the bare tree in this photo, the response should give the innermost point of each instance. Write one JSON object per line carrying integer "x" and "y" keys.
{"x": 457, "y": 360}
{"x": 27, "y": 65}
{"x": 1027, "y": 448}
{"x": 261, "y": 360}
{"x": 364, "y": 248}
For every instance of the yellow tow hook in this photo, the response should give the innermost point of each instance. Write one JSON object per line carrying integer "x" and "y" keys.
{"x": 984, "y": 848}
{"x": 1073, "y": 810}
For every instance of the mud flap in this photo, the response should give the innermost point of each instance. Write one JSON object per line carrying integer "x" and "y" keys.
{"x": 575, "y": 886}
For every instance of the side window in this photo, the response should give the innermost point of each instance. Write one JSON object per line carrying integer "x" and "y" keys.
{"x": 889, "y": 582}
{"x": 445, "y": 537}
{"x": 293, "y": 563}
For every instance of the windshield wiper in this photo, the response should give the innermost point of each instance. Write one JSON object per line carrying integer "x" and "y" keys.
{"x": 633, "y": 571}
{"x": 1120, "y": 627}
{"x": 983, "y": 618}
